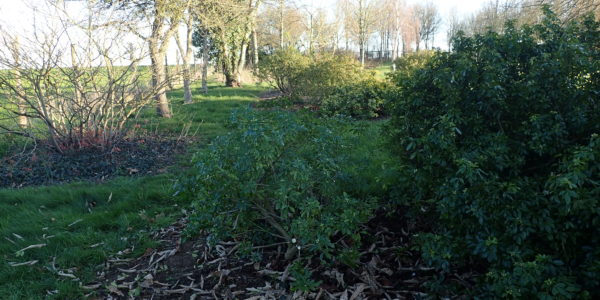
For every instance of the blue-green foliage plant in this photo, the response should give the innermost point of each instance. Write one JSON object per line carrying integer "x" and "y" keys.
{"x": 499, "y": 145}
{"x": 277, "y": 178}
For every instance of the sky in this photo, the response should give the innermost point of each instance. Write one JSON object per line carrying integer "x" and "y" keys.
{"x": 467, "y": 6}
{"x": 464, "y": 8}
{"x": 17, "y": 15}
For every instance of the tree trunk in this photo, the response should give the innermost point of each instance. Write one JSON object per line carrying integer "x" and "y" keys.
{"x": 228, "y": 64}
{"x": 254, "y": 48}
{"x": 187, "y": 89}
{"x": 158, "y": 81}
{"x": 281, "y": 9}
{"x": 381, "y": 45}
{"x": 347, "y": 40}
{"x": 361, "y": 52}
{"x": 394, "y": 43}
{"x": 232, "y": 80}
{"x": 187, "y": 55}
{"x": 158, "y": 42}
{"x": 241, "y": 64}
{"x": 417, "y": 40}
{"x": 205, "y": 69}
{"x": 22, "y": 118}
{"x": 22, "y": 107}
{"x": 168, "y": 76}
{"x": 253, "y": 34}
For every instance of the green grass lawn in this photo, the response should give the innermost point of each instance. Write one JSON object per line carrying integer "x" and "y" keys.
{"x": 77, "y": 236}
{"x": 208, "y": 112}
{"x": 74, "y": 228}
{"x": 382, "y": 69}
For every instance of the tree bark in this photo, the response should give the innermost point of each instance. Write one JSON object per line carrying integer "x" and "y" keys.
{"x": 254, "y": 48}
{"x": 205, "y": 69}
{"x": 187, "y": 55}
{"x": 361, "y": 32}
{"x": 159, "y": 80}
{"x": 158, "y": 42}
{"x": 231, "y": 80}
{"x": 281, "y": 10}
{"x": 253, "y": 34}
{"x": 168, "y": 76}
{"x": 22, "y": 118}
{"x": 241, "y": 64}
{"x": 362, "y": 54}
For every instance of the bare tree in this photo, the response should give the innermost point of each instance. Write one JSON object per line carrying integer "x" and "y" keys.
{"x": 360, "y": 18}
{"x": 187, "y": 54}
{"x": 163, "y": 18}
{"x": 429, "y": 22}
{"x": 342, "y": 12}
{"x": 270, "y": 26}
{"x": 495, "y": 13}
{"x": 319, "y": 34}
{"x": 21, "y": 113}
{"x": 65, "y": 82}
{"x": 566, "y": 10}
{"x": 281, "y": 22}
{"x": 454, "y": 26}
{"x": 201, "y": 39}
{"x": 409, "y": 25}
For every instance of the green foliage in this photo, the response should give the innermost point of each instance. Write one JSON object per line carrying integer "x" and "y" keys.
{"x": 276, "y": 178}
{"x": 284, "y": 69}
{"x": 365, "y": 99}
{"x": 409, "y": 63}
{"x": 282, "y": 102}
{"x": 303, "y": 281}
{"x": 310, "y": 76}
{"x": 540, "y": 277}
{"x": 328, "y": 71}
{"x": 499, "y": 144}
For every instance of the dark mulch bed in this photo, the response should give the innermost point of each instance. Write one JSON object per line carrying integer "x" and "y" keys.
{"x": 133, "y": 156}
{"x": 270, "y": 94}
{"x": 274, "y": 99}
{"x": 193, "y": 270}
{"x": 285, "y": 104}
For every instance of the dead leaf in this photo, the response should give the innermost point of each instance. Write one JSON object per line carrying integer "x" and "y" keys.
{"x": 113, "y": 289}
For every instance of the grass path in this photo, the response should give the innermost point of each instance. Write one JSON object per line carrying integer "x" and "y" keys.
{"x": 62, "y": 234}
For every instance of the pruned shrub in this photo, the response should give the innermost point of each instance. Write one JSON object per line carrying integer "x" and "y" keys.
{"x": 72, "y": 106}
{"x": 276, "y": 179}
{"x": 407, "y": 64}
{"x": 284, "y": 70}
{"x": 311, "y": 77}
{"x": 328, "y": 71}
{"x": 499, "y": 142}
{"x": 364, "y": 100}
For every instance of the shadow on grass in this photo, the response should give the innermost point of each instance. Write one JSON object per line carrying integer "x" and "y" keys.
{"x": 207, "y": 114}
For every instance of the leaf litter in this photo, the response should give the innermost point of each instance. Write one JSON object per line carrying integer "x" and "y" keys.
{"x": 191, "y": 269}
